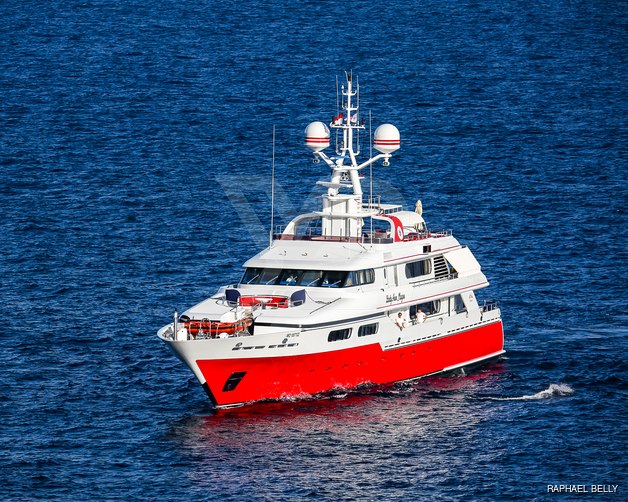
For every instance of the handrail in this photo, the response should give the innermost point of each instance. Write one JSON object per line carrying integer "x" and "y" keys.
{"x": 368, "y": 239}
{"x": 288, "y": 303}
{"x": 435, "y": 279}
{"x": 206, "y": 329}
{"x": 489, "y": 305}
{"x": 332, "y": 238}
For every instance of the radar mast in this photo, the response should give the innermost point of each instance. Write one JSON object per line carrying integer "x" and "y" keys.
{"x": 342, "y": 214}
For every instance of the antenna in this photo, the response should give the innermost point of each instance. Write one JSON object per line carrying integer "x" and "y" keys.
{"x": 272, "y": 194}
{"x": 337, "y": 113}
{"x": 337, "y": 98}
{"x": 357, "y": 118}
{"x": 371, "y": 171}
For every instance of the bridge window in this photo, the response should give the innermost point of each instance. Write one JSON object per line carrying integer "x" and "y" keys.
{"x": 334, "y": 279}
{"x": 368, "y": 329}
{"x": 311, "y": 278}
{"x": 269, "y": 276}
{"x": 308, "y": 278}
{"x": 251, "y": 276}
{"x": 289, "y": 277}
{"x": 339, "y": 334}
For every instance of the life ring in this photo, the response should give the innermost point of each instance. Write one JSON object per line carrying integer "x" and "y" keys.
{"x": 214, "y": 328}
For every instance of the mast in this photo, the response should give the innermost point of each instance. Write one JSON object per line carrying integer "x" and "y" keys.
{"x": 343, "y": 213}
{"x": 272, "y": 194}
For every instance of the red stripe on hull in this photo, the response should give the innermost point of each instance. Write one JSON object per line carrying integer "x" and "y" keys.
{"x": 282, "y": 377}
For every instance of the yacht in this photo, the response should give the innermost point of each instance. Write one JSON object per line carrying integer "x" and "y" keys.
{"x": 358, "y": 293}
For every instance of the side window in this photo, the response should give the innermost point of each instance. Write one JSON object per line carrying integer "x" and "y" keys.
{"x": 359, "y": 277}
{"x": 368, "y": 329}
{"x": 428, "y": 308}
{"x": 339, "y": 334}
{"x": 367, "y": 276}
{"x": 418, "y": 268}
{"x": 459, "y": 304}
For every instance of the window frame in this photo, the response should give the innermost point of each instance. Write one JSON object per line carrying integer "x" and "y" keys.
{"x": 434, "y": 308}
{"x": 362, "y": 329}
{"x": 311, "y": 284}
{"x": 281, "y": 281}
{"x": 255, "y": 280}
{"x": 337, "y": 335}
{"x": 336, "y": 284}
{"x": 425, "y": 265}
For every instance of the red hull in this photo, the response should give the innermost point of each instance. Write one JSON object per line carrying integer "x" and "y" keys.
{"x": 283, "y": 377}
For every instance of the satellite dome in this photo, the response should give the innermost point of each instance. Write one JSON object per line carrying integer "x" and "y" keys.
{"x": 387, "y": 138}
{"x": 317, "y": 136}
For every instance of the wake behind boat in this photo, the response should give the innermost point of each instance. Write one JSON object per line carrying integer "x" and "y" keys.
{"x": 359, "y": 292}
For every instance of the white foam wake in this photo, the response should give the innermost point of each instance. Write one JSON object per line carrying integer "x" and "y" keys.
{"x": 554, "y": 390}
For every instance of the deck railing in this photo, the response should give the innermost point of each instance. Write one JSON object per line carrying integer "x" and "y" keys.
{"x": 489, "y": 305}
{"x": 435, "y": 279}
{"x": 367, "y": 238}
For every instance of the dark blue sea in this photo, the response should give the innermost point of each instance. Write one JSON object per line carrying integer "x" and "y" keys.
{"x": 135, "y": 160}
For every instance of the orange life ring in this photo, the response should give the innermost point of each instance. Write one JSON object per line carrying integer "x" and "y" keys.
{"x": 215, "y": 327}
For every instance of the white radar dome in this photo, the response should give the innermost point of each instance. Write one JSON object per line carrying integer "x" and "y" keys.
{"x": 387, "y": 138}
{"x": 317, "y": 136}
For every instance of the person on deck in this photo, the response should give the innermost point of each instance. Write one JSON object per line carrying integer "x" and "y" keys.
{"x": 420, "y": 316}
{"x": 400, "y": 322}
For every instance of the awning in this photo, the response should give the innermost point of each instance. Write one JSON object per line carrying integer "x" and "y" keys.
{"x": 463, "y": 261}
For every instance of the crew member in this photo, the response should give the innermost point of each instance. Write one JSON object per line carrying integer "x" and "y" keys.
{"x": 400, "y": 322}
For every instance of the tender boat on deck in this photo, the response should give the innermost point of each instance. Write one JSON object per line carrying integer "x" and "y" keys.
{"x": 360, "y": 292}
